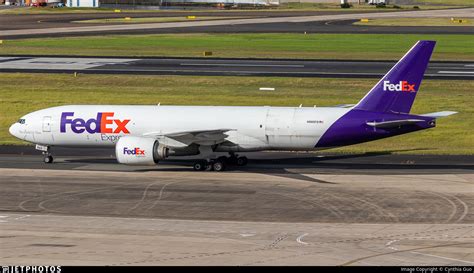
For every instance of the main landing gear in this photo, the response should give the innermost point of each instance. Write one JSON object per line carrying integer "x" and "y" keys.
{"x": 220, "y": 164}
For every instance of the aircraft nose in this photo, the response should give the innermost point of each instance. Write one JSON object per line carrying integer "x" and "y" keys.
{"x": 14, "y": 130}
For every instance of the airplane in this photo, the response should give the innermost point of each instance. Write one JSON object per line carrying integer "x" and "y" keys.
{"x": 147, "y": 134}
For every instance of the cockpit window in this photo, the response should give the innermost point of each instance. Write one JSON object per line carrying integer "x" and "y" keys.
{"x": 21, "y": 121}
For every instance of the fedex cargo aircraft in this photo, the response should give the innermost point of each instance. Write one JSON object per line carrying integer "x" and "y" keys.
{"x": 144, "y": 135}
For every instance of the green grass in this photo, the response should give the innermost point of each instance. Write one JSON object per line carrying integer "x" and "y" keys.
{"x": 310, "y": 46}
{"x": 23, "y": 93}
{"x": 416, "y": 22}
{"x": 132, "y": 20}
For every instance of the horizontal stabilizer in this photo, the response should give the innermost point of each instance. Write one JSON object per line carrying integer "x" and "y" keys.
{"x": 439, "y": 114}
{"x": 393, "y": 123}
{"x": 344, "y": 105}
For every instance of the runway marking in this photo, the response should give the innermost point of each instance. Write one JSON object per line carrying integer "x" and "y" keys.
{"x": 21, "y": 217}
{"x": 238, "y": 72}
{"x": 301, "y": 237}
{"x": 242, "y": 65}
{"x": 247, "y": 235}
{"x": 389, "y": 245}
{"x": 442, "y": 257}
{"x": 466, "y": 208}
{"x": 3, "y": 217}
{"x": 456, "y": 72}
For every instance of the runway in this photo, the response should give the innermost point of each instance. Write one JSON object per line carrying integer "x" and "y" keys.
{"x": 257, "y": 22}
{"x": 282, "y": 209}
{"x": 224, "y": 67}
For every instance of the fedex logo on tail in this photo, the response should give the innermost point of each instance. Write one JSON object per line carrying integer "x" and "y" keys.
{"x": 134, "y": 151}
{"x": 104, "y": 123}
{"x": 402, "y": 86}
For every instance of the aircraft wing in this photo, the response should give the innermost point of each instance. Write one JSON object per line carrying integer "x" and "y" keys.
{"x": 201, "y": 137}
{"x": 393, "y": 123}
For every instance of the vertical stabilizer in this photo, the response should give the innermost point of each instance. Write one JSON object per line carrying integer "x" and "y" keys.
{"x": 396, "y": 91}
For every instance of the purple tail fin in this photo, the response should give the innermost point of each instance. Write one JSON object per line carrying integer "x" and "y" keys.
{"x": 396, "y": 91}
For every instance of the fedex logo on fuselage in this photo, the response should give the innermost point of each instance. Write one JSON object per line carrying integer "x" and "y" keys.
{"x": 402, "y": 86}
{"x": 104, "y": 123}
{"x": 134, "y": 151}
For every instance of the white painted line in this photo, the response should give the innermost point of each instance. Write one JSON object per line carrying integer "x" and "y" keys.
{"x": 267, "y": 89}
{"x": 247, "y": 235}
{"x": 21, "y": 217}
{"x": 301, "y": 237}
{"x": 441, "y": 257}
{"x": 241, "y": 72}
{"x": 242, "y": 65}
{"x": 457, "y": 72}
{"x": 469, "y": 65}
{"x": 389, "y": 245}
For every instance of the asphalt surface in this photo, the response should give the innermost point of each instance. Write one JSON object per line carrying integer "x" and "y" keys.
{"x": 230, "y": 67}
{"x": 282, "y": 209}
{"x": 57, "y": 25}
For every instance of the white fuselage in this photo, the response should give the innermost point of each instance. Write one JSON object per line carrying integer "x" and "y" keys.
{"x": 250, "y": 128}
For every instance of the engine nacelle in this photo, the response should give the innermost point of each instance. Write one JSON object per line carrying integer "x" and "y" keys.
{"x": 133, "y": 150}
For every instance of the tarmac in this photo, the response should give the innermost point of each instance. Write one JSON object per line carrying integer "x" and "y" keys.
{"x": 282, "y": 209}
{"x": 224, "y": 67}
{"x": 18, "y": 26}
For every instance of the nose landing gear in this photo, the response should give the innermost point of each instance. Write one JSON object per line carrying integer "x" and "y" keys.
{"x": 47, "y": 157}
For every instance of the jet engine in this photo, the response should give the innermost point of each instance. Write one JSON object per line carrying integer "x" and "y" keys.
{"x": 133, "y": 150}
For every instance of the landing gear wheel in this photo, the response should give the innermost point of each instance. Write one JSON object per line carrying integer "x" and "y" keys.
{"x": 242, "y": 161}
{"x": 218, "y": 166}
{"x": 48, "y": 159}
{"x": 209, "y": 166}
{"x": 199, "y": 166}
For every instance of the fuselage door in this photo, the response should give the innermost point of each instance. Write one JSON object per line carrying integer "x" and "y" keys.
{"x": 278, "y": 129}
{"x": 46, "y": 124}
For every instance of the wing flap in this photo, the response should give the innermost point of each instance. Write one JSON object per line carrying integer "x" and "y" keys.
{"x": 201, "y": 137}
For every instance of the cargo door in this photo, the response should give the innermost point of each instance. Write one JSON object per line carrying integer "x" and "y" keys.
{"x": 278, "y": 127}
